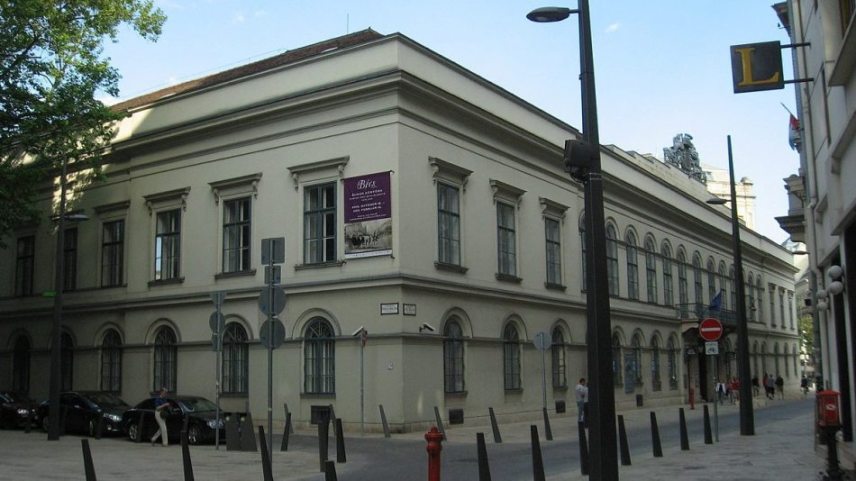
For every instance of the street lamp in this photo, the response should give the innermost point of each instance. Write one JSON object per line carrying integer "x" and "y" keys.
{"x": 582, "y": 160}
{"x": 747, "y": 417}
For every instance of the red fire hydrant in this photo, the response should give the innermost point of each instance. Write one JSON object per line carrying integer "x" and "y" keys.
{"x": 434, "y": 438}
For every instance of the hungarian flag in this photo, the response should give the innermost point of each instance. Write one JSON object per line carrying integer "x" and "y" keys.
{"x": 794, "y": 136}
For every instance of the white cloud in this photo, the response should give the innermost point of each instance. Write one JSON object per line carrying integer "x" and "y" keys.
{"x": 239, "y": 18}
{"x": 613, "y": 27}
{"x": 260, "y": 13}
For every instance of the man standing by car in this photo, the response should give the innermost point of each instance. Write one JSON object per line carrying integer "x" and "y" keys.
{"x": 161, "y": 407}
{"x": 581, "y": 392}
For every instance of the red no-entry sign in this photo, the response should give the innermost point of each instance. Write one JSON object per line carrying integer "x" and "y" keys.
{"x": 710, "y": 329}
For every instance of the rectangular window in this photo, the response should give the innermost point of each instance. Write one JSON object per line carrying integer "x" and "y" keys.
{"x": 554, "y": 251}
{"x": 236, "y": 235}
{"x": 772, "y": 305}
{"x": 651, "y": 275}
{"x": 448, "y": 224}
{"x": 69, "y": 257}
{"x": 506, "y": 241}
{"x": 319, "y": 223}
{"x": 24, "y": 262}
{"x": 168, "y": 245}
{"x": 782, "y": 307}
{"x": 668, "y": 293}
{"x": 791, "y": 309}
{"x": 112, "y": 253}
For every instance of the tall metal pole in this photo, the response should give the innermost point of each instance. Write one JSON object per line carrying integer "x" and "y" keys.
{"x": 362, "y": 383}
{"x": 270, "y": 318}
{"x": 747, "y": 416}
{"x": 56, "y": 332}
{"x": 219, "y": 378}
{"x": 603, "y": 442}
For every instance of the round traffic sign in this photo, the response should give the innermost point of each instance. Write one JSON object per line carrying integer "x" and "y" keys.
{"x": 272, "y": 301}
{"x": 217, "y": 321}
{"x": 278, "y": 333}
{"x": 710, "y": 329}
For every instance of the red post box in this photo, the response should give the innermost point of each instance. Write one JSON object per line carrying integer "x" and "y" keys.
{"x": 828, "y": 408}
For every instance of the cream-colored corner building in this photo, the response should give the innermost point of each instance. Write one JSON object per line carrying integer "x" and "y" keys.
{"x": 478, "y": 254}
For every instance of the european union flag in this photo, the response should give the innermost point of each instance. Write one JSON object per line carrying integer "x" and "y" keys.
{"x": 716, "y": 302}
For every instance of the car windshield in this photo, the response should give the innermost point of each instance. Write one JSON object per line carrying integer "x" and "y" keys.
{"x": 104, "y": 399}
{"x": 197, "y": 405}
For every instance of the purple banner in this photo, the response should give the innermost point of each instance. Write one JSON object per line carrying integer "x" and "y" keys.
{"x": 367, "y": 198}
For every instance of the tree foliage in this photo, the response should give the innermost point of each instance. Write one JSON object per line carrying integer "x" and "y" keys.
{"x": 51, "y": 69}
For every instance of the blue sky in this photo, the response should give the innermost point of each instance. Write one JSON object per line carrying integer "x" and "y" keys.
{"x": 661, "y": 67}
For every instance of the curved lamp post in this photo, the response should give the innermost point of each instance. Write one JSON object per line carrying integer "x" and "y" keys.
{"x": 582, "y": 160}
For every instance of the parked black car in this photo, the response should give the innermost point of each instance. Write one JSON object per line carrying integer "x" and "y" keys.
{"x": 84, "y": 409}
{"x": 200, "y": 414}
{"x": 16, "y": 410}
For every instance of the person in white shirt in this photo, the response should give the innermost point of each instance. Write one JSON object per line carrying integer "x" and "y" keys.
{"x": 581, "y": 392}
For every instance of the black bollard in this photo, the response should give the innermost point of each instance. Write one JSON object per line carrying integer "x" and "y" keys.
{"x": 287, "y": 414}
{"x": 185, "y": 457}
{"x": 655, "y": 437}
{"x": 185, "y": 423}
{"x": 547, "y": 431}
{"x": 340, "y": 442}
{"x": 266, "y": 468}
{"x": 484, "y": 466}
{"x": 708, "y": 437}
{"x": 88, "y": 467}
{"x": 383, "y": 421}
{"x": 141, "y": 423}
{"x": 497, "y": 438}
{"x": 685, "y": 440}
{"x": 622, "y": 441}
{"x": 584, "y": 452}
{"x": 537, "y": 461}
{"x": 248, "y": 438}
{"x": 99, "y": 427}
{"x": 439, "y": 422}
{"x": 322, "y": 443}
{"x": 286, "y": 432}
{"x": 330, "y": 471}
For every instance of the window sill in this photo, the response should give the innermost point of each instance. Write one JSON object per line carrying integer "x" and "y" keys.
{"x": 444, "y": 266}
{"x": 318, "y": 265}
{"x": 166, "y": 282}
{"x": 229, "y": 275}
{"x": 554, "y": 287}
{"x": 508, "y": 278}
{"x": 456, "y": 394}
{"x": 317, "y": 395}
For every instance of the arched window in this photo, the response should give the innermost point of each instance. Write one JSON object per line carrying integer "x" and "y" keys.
{"x": 632, "y": 266}
{"x": 656, "y": 385}
{"x": 697, "y": 280}
{"x": 453, "y": 357}
{"x": 111, "y": 361}
{"x": 711, "y": 280}
{"x": 616, "y": 360}
{"x": 759, "y": 304}
{"x": 651, "y": 270}
{"x": 166, "y": 352}
{"x": 683, "y": 287}
{"x": 753, "y": 306}
{"x": 66, "y": 354}
{"x": 668, "y": 288}
{"x": 557, "y": 356}
{"x": 319, "y": 358}
{"x": 672, "y": 361}
{"x": 21, "y": 365}
{"x": 583, "y": 249}
{"x": 636, "y": 345}
{"x": 723, "y": 284}
{"x": 511, "y": 357}
{"x": 612, "y": 260}
{"x": 732, "y": 286}
{"x": 235, "y": 359}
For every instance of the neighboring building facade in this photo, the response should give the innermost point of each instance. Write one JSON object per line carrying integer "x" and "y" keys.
{"x": 827, "y": 116}
{"x": 418, "y": 201}
{"x": 719, "y": 184}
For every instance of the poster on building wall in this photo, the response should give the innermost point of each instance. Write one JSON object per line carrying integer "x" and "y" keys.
{"x": 368, "y": 216}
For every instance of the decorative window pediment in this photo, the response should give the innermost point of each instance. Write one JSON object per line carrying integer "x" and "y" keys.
{"x": 449, "y": 172}
{"x": 338, "y": 164}
{"x": 246, "y": 184}
{"x": 112, "y": 208}
{"x": 552, "y": 208}
{"x": 506, "y": 193}
{"x": 177, "y": 197}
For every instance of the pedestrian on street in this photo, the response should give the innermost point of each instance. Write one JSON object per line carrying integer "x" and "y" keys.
{"x": 770, "y": 386}
{"x": 161, "y": 410}
{"x": 804, "y": 385}
{"x": 735, "y": 390}
{"x": 755, "y": 387}
{"x": 780, "y": 386}
{"x": 581, "y": 393}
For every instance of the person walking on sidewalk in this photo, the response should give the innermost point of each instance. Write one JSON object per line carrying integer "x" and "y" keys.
{"x": 780, "y": 386}
{"x": 161, "y": 409}
{"x": 581, "y": 393}
{"x": 770, "y": 386}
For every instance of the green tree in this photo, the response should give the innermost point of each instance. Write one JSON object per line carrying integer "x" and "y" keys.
{"x": 51, "y": 69}
{"x": 806, "y": 328}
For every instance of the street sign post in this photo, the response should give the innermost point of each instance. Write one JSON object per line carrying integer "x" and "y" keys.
{"x": 710, "y": 330}
{"x": 542, "y": 344}
{"x": 271, "y": 303}
{"x": 217, "y": 322}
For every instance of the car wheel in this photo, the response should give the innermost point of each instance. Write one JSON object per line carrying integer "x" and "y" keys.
{"x": 134, "y": 432}
{"x": 46, "y": 424}
{"x": 194, "y": 435}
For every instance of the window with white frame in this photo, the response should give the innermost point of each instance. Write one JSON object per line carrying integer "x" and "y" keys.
{"x": 511, "y": 357}
{"x": 165, "y": 356}
{"x": 319, "y": 223}
{"x": 656, "y": 385}
{"x": 453, "y": 357}
{"x": 448, "y": 224}
{"x": 24, "y": 265}
{"x": 668, "y": 287}
{"x": 683, "y": 284}
{"x": 772, "y": 291}
{"x": 168, "y": 245}
{"x": 554, "y": 214}
{"x": 711, "y": 281}
{"x": 319, "y": 358}
{"x": 236, "y": 235}
{"x": 651, "y": 271}
{"x": 612, "y": 260}
{"x": 782, "y": 307}
{"x": 112, "y": 253}
{"x": 111, "y": 362}
{"x": 235, "y": 359}
{"x": 557, "y": 358}
{"x": 697, "y": 280}
{"x": 672, "y": 363}
{"x": 506, "y": 198}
